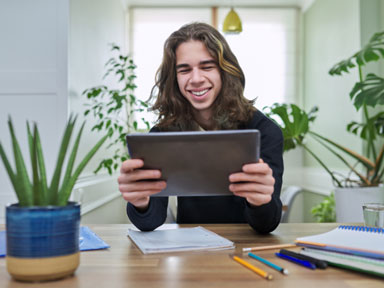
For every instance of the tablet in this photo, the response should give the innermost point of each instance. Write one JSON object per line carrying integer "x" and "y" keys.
{"x": 195, "y": 163}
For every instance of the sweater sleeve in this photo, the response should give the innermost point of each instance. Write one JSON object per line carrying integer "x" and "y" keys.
{"x": 154, "y": 217}
{"x": 156, "y": 213}
{"x": 266, "y": 218}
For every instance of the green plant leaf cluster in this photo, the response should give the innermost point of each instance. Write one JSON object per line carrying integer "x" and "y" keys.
{"x": 372, "y": 51}
{"x": 325, "y": 210}
{"x": 366, "y": 169}
{"x": 35, "y": 190}
{"x": 293, "y": 121}
{"x": 114, "y": 109}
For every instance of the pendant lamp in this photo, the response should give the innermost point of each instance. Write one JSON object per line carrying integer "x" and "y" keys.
{"x": 232, "y": 23}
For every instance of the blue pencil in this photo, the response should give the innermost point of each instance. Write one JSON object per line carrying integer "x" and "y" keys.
{"x": 274, "y": 266}
{"x": 297, "y": 261}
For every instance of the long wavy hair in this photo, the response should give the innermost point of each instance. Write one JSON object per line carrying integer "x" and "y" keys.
{"x": 230, "y": 109}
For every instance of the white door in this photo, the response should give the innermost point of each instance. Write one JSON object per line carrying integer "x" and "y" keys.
{"x": 33, "y": 77}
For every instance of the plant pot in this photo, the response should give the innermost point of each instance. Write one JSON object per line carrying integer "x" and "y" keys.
{"x": 42, "y": 242}
{"x": 349, "y": 202}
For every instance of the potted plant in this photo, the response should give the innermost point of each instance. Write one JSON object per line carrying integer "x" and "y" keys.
{"x": 42, "y": 229}
{"x": 114, "y": 107}
{"x": 364, "y": 181}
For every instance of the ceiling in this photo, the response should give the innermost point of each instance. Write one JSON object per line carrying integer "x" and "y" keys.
{"x": 302, "y": 4}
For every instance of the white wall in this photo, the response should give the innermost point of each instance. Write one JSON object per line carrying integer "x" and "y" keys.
{"x": 94, "y": 24}
{"x": 332, "y": 34}
{"x": 33, "y": 77}
{"x": 50, "y": 51}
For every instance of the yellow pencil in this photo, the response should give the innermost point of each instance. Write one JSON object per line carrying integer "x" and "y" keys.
{"x": 262, "y": 273}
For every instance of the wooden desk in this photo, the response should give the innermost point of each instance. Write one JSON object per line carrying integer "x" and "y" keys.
{"x": 123, "y": 265}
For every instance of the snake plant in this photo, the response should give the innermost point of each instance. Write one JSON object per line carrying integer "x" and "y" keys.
{"x": 34, "y": 189}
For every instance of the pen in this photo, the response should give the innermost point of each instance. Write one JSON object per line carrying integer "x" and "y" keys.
{"x": 268, "y": 247}
{"x": 319, "y": 263}
{"x": 262, "y": 273}
{"x": 297, "y": 261}
{"x": 274, "y": 266}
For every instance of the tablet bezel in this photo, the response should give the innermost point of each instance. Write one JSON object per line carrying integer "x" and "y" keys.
{"x": 195, "y": 163}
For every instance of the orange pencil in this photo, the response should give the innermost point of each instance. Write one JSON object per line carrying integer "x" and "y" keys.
{"x": 262, "y": 273}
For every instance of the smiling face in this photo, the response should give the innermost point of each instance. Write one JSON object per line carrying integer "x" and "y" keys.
{"x": 198, "y": 77}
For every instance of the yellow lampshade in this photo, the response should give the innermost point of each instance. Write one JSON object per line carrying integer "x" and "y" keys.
{"x": 232, "y": 23}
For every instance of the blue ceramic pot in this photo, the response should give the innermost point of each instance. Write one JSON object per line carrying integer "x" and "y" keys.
{"x": 42, "y": 242}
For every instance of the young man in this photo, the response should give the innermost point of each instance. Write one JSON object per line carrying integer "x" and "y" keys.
{"x": 199, "y": 86}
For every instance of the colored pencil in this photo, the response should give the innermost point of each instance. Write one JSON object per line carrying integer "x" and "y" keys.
{"x": 270, "y": 264}
{"x": 258, "y": 271}
{"x": 303, "y": 263}
{"x": 269, "y": 247}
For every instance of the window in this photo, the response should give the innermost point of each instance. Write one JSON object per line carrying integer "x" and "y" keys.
{"x": 266, "y": 49}
{"x": 267, "y": 53}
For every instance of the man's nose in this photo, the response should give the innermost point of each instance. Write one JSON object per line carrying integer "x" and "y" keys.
{"x": 196, "y": 76}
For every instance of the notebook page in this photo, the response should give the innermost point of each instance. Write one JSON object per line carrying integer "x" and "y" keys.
{"x": 363, "y": 264}
{"x": 180, "y": 239}
{"x": 350, "y": 238}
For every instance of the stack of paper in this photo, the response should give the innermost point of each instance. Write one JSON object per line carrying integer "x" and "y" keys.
{"x": 181, "y": 239}
{"x": 347, "y": 261}
{"x": 357, "y": 248}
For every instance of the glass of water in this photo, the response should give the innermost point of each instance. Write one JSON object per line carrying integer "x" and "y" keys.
{"x": 374, "y": 214}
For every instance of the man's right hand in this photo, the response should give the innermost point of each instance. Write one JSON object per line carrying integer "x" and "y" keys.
{"x": 132, "y": 184}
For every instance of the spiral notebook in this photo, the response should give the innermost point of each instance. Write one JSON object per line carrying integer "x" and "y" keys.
{"x": 356, "y": 240}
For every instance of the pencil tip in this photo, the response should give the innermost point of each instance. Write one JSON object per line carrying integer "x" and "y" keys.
{"x": 285, "y": 272}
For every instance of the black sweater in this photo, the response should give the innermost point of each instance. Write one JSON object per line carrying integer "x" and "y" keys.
{"x": 226, "y": 209}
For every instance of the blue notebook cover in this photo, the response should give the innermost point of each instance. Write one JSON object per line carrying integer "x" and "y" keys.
{"x": 88, "y": 241}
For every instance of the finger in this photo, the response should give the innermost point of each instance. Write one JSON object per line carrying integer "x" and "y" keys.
{"x": 252, "y": 188}
{"x": 142, "y": 186}
{"x": 257, "y": 178}
{"x": 262, "y": 168}
{"x": 131, "y": 164}
{"x": 137, "y": 175}
{"x": 256, "y": 199}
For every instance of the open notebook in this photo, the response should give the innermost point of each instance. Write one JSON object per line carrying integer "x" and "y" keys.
{"x": 180, "y": 239}
{"x": 356, "y": 240}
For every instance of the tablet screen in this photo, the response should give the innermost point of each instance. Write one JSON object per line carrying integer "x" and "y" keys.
{"x": 195, "y": 163}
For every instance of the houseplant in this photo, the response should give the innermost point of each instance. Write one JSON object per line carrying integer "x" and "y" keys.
{"x": 114, "y": 107}
{"x": 43, "y": 227}
{"x": 364, "y": 181}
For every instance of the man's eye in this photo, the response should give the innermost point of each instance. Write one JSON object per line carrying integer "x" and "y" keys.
{"x": 183, "y": 71}
{"x": 207, "y": 68}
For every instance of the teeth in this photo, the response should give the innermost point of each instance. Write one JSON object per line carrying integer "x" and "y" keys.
{"x": 199, "y": 93}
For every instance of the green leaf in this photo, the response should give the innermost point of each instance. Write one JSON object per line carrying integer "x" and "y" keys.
{"x": 23, "y": 183}
{"x": 44, "y": 191}
{"x": 293, "y": 122}
{"x": 54, "y": 187}
{"x": 11, "y": 174}
{"x": 68, "y": 186}
{"x": 369, "y": 92}
{"x": 370, "y": 52}
{"x": 35, "y": 174}
{"x": 72, "y": 158}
